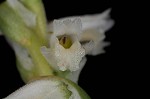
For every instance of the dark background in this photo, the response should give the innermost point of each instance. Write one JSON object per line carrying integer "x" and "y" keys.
{"x": 102, "y": 76}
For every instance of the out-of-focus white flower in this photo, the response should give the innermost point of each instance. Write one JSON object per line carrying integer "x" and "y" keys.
{"x": 49, "y": 88}
{"x": 22, "y": 56}
{"x": 87, "y": 35}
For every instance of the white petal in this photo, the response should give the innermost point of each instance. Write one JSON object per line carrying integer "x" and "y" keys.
{"x": 67, "y": 26}
{"x": 64, "y": 59}
{"x": 28, "y": 17}
{"x": 99, "y": 48}
{"x": 69, "y": 58}
{"x": 94, "y": 27}
{"x": 94, "y": 41}
{"x": 89, "y": 46}
{"x": 22, "y": 55}
{"x": 100, "y": 21}
{"x": 49, "y": 56}
{"x": 74, "y": 75}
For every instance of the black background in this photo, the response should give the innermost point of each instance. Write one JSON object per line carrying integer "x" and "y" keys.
{"x": 102, "y": 76}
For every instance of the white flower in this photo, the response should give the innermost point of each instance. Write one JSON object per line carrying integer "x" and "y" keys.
{"x": 87, "y": 34}
{"x": 66, "y": 58}
{"x": 49, "y": 88}
{"x": 22, "y": 55}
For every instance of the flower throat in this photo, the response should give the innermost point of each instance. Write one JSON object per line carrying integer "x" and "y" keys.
{"x": 65, "y": 41}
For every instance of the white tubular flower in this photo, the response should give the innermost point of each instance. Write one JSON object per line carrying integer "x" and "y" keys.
{"x": 85, "y": 34}
{"x": 65, "y": 48}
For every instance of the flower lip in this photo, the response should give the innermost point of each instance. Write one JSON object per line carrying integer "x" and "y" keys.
{"x": 65, "y": 44}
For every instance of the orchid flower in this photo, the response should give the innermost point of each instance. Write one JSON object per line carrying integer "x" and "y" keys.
{"x": 64, "y": 44}
{"x": 57, "y": 49}
{"x": 74, "y": 37}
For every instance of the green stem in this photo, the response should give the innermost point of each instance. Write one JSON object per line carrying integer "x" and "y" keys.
{"x": 43, "y": 68}
{"x": 40, "y": 66}
{"x": 15, "y": 30}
